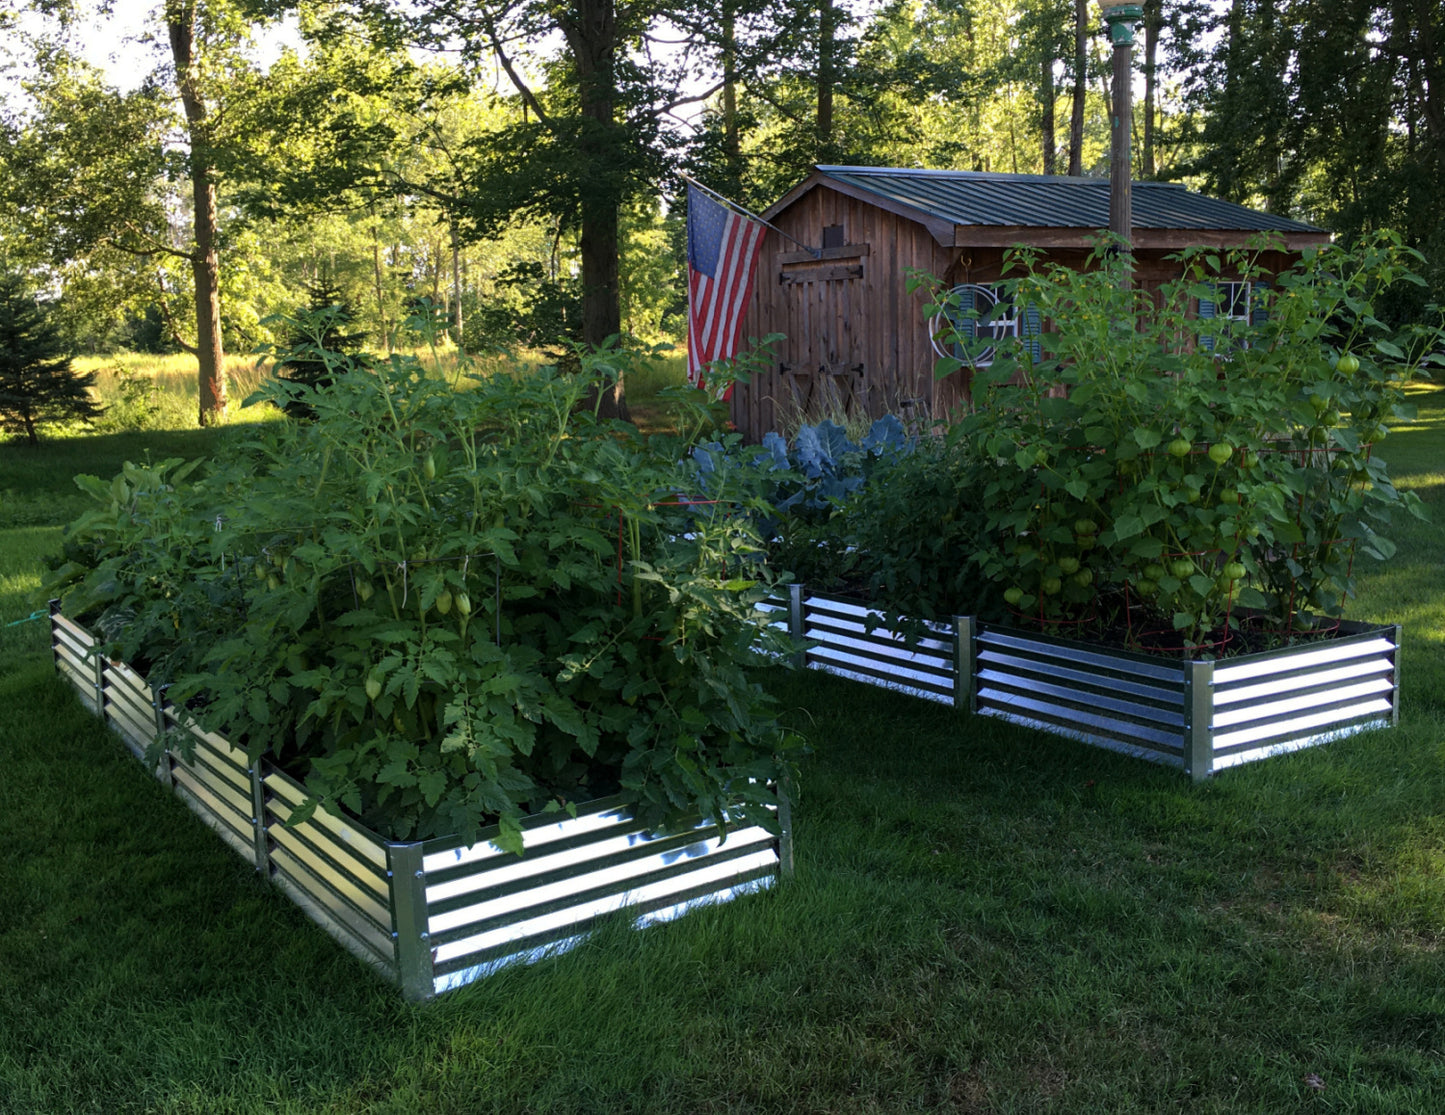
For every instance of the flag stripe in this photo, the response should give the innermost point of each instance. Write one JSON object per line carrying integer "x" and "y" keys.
{"x": 722, "y": 253}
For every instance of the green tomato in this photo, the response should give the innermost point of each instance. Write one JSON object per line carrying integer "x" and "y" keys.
{"x": 429, "y": 467}
{"x": 1179, "y": 447}
{"x": 1250, "y": 459}
{"x": 1229, "y": 495}
{"x": 1069, "y": 564}
{"x": 444, "y": 601}
{"x": 373, "y": 687}
{"x": 1319, "y": 404}
{"x": 1181, "y": 567}
{"x": 1050, "y": 586}
{"x": 1146, "y": 586}
{"x": 1041, "y": 456}
{"x": 464, "y": 604}
{"x": 1153, "y": 571}
{"x": 1086, "y": 527}
{"x": 1084, "y": 578}
{"x": 1220, "y": 452}
{"x": 1013, "y": 595}
{"x": 1348, "y": 364}
{"x": 1235, "y": 570}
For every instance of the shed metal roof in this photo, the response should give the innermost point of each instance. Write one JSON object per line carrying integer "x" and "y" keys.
{"x": 963, "y": 197}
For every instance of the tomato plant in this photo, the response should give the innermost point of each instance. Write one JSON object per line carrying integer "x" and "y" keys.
{"x": 447, "y": 608}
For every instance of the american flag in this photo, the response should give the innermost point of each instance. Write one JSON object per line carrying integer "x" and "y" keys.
{"x": 722, "y": 249}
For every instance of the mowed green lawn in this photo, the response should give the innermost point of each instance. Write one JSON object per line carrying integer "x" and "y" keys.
{"x": 983, "y": 919}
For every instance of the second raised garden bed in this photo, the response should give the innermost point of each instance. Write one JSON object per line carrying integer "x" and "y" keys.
{"x": 1201, "y": 716}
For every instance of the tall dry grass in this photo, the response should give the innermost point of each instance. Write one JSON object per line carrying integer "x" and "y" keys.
{"x": 147, "y": 392}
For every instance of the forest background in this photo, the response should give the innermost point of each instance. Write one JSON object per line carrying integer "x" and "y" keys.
{"x": 514, "y": 166}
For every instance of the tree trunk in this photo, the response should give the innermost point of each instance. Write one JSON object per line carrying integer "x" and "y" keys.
{"x": 590, "y": 27}
{"x": 1081, "y": 73}
{"x": 827, "y": 35}
{"x": 456, "y": 286}
{"x": 1153, "y": 18}
{"x": 376, "y": 281}
{"x": 205, "y": 265}
{"x": 732, "y": 141}
{"x": 1046, "y": 113}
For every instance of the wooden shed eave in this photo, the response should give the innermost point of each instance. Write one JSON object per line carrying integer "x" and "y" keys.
{"x": 1145, "y": 239}
{"x": 942, "y": 231}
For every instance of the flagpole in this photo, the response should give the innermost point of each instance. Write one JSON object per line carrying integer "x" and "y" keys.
{"x": 817, "y": 253}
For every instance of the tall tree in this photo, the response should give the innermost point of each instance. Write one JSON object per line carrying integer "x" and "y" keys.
{"x": 208, "y": 65}
{"x": 182, "y": 25}
{"x": 1080, "y": 87}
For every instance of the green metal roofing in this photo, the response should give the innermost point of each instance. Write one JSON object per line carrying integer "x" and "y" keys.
{"x": 964, "y": 197}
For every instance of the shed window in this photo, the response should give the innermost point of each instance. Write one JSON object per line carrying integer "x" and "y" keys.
{"x": 833, "y": 236}
{"x": 976, "y": 318}
{"x": 1238, "y": 305}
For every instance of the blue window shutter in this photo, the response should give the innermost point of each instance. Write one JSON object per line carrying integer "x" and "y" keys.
{"x": 1032, "y": 329}
{"x": 1258, "y": 313}
{"x": 962, "y": 320}
{"x": 1206, "y": 310}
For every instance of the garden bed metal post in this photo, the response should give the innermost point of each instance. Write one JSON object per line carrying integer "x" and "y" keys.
{"x": 964, "y": 663}
{"x": 1396, "y": 633}
{"x": 261, "y": 842}
{"x": 407, "y": 877}
{"x": 163, "y": 768}
{"x": 1199, "y": 720}
{"x": 99, "y": 660}
{"x": 54, "y": 639}
{"x": 795, "y": 624}
{"x": 784, "y": 842}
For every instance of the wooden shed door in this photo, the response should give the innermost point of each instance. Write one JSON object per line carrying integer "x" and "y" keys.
{"x": 822, "y": 369}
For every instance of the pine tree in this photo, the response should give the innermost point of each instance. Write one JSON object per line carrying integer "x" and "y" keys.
{"x": 37, "y": 385}
{"x": 317, "y": 347}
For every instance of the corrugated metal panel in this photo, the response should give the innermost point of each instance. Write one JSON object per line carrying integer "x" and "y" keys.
{"x": 215, "y": 783}
{"x": 1117, "y": 700}
{"x": 842, "y": 640}
{"x": 334, "y": 868}
{"x": 128, "y": 705}
{"x": 1270, "y": 703}
{"x": 71, "y": 645}
{"x": 486, "y": 909}
{"x": 1040, "y": 201}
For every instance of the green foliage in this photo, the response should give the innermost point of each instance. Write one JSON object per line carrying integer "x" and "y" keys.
{"x": 530, "y": 309}
{"x": 911, "y": 532}
{"x": 37, "y": 385}
{"x": 317, "y": 346}
{"x": 448, "y": 608}
{"x": 1190, "y": 462}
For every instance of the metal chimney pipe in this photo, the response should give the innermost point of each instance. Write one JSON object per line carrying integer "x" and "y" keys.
{"x": 1120, "y": 20}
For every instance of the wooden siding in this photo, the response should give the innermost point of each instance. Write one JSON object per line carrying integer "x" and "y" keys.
{"x": 855, "y": 338}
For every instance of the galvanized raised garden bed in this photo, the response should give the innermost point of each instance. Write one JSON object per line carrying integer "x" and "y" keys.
{"x": 436, "y": 914}
{"x": 1202, "y": 716}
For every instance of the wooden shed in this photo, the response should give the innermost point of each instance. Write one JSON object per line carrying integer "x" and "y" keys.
{"x": 856, "y": 340}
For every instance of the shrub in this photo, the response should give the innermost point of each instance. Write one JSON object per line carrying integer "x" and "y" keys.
{"x": 1189, "y": 464}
